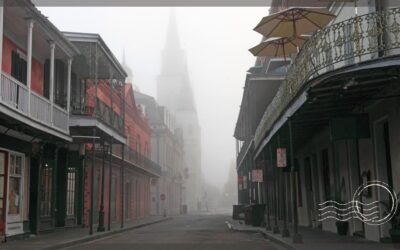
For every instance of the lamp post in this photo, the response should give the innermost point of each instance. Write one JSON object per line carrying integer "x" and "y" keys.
{"x": 101, "y": 227}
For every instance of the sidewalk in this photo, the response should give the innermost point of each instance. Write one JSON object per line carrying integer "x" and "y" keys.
{"x": 314, "y": 239}
{"x": 66, "y": 237}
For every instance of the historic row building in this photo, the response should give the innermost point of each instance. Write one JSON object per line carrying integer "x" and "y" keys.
{"x": 167, "y": 196}
{"x": 74, "y": 149}
{"x": 334, "y": 111}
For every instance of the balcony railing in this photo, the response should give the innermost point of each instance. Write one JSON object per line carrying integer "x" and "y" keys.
{"x": 103, "y": 112}
{"x": 15, "y": 95}
{"x": 353, "y": 41}
{"x": 140, "y": 160}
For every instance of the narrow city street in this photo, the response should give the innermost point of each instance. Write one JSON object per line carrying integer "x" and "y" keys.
{"x": 190, "y": 232}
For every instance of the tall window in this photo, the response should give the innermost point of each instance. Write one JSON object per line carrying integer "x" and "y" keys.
{"x": 14, "y": 207}
{"x": 46, "y": 190}
{"x": 71, "y": 184}
{"x": 59, "y": 86}
{"x": 146, "y": 149}
{"x": 138, "y": 145}
{"x": 18, "y": 66}
{"x": 326, "y": 174}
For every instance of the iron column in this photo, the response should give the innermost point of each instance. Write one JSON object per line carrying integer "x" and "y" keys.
{"x": 296, "y": 236}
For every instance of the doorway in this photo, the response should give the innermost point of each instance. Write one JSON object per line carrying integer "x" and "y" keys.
{"x": 14, "y": 194}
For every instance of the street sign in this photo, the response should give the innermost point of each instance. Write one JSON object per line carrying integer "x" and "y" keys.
{"x": 162, "y": 197}
{"x": 240, "y": 182}
{"x": 281, "y": 160}
{"x": 257, "y": 175}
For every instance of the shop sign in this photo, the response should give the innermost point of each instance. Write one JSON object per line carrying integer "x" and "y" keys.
{"x": 281, "y": 158}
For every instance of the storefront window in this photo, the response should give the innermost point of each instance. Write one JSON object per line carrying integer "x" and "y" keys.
{"x": 15, "y": 185}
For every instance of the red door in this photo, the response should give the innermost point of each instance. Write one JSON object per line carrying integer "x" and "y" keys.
{"x": 3, "y": 190}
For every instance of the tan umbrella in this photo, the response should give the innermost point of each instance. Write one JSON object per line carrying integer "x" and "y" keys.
{"x": 293, "y": 22}
{"x": 280, "y": 46}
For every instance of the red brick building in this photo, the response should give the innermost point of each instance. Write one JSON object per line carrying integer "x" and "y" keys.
{"x": 116, "y": 186}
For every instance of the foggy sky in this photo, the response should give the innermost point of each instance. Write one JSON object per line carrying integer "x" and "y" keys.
{"x": 216, "y": 41}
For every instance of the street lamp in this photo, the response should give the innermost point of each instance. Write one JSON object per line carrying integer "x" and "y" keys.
{"x": 101, "y": 227}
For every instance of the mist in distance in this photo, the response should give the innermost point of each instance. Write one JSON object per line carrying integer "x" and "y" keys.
{"x": 216, "y": 42}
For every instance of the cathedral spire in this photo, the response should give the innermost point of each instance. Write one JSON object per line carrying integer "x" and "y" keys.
{"x": 172, "y": 32}
{"x": 174, "y": 90}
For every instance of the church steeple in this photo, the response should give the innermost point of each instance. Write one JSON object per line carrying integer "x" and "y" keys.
{"x": 174, "y": 90}
{"x": 172, "y": 32}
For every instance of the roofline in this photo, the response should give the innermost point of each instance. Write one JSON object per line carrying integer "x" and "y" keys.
{"x": 95, "y": 38}
{"x": 66, "y": 45}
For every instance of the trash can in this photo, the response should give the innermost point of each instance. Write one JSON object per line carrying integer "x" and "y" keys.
{"x": 257, "y": 214}
{"x": 184, "y": 209}
{"x": 237, "y": 210}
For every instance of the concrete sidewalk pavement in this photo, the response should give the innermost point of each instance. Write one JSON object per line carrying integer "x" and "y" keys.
{"x": 66, "y": 237}
{"x": 314, "y": 239}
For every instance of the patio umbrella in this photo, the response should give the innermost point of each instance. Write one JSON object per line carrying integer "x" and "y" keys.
{"x": 280, "y": 46}
{"x": 293, "y": 22}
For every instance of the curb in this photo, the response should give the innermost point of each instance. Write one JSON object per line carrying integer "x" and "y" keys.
{"x": 268, "y": 236}
{"x": 102, "y": 235}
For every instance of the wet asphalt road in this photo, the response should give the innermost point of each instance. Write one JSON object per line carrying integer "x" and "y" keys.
{"x": 189, "y": 232}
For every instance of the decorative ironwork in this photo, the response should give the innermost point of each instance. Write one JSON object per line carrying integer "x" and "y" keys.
{"x": 103, "y": 112}
{"x": 353, "y": 41}
{"x": 142, "y": 161}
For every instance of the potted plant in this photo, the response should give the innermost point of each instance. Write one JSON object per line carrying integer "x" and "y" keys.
{"x": 342, "y": 227}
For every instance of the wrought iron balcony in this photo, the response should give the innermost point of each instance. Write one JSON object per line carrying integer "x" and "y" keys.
{"x": 142, "y": 161}
{"x": 101, "y": 111}
{"x": 358, "y": 40}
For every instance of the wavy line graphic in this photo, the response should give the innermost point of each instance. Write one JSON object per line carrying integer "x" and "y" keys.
{"x": 346, "y": 211}
{"x": 346, "y": 214}
{"x": 348, "y": 208}
{"x": 350, "y": 202}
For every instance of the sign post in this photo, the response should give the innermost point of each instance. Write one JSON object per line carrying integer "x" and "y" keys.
{"x": 257, "y": 176}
